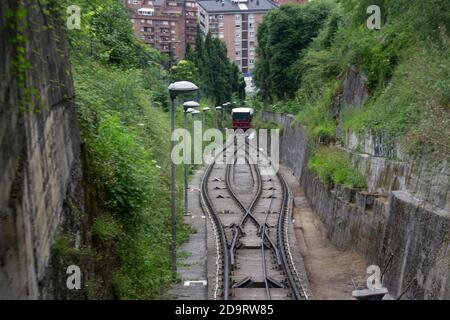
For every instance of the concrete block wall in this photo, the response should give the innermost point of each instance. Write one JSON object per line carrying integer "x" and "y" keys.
{"x": 377, "y": 225}
{"x": 40, "y": 174}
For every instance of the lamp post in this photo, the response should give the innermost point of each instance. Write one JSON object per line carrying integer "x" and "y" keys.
{"x": 219, "y": 109}
{"x": 175, "y": 89}
{"x": 205, "y": 109}
{"x": 188, "y": 108}
{"x": 193, "y": 113}
{"x": 226, "y": 106}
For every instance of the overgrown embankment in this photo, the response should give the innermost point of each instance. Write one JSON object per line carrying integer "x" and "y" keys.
{"x": 122, "y": 103}
{"x": 40, "y": 177}
{"x": 372, "y": 104}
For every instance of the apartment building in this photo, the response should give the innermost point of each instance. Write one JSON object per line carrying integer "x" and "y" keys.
{"x": 167, "y": 25}
{"x": 280, "y": 2}
{"x": 235, "y": 22}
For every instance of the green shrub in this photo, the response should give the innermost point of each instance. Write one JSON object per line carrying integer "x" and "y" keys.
{"x": 333, "y": 166}
{"x": 62, "y": 247}
{"x": 316, "y": 117}
{"x": 128, "y": 154}
{"x": 414, "y": 109}
{"x": 106, "y": 229}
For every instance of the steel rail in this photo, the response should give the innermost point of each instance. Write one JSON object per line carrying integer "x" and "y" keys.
{"x": 222, "y": 237}
{"x": 282, "y": 220}
{"x": 282, "y": 243}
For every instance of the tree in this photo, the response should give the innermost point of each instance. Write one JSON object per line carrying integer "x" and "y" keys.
{"x": 282, "y": 36}
{"x": 184, "y": 70}
{"x": 219, "y": 77}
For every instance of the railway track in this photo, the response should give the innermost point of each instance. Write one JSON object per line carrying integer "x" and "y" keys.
{"x": 249, "y": 213}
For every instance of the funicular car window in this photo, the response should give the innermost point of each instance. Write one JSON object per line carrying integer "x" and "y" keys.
{"x": 240, "y": 116}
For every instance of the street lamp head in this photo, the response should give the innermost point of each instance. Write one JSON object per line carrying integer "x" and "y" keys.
{"x": 205, "y": 108}
{"x": 189, "y": 110}
{"x": 195, "y": 112}
{"x": 218, "y": 108}
{"x": 180, "y": 87}
{"x": 190, "y": 104}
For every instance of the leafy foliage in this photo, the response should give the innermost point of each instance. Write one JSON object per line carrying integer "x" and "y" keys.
{"x": 219, "y": 78}
{"x": 419, "y": 118}
{"x": 401, "y": 62}
{"x": 120, "y": 97}
{"x": 282, "y": 37}
{"x": 332, "y": 166}
{"x": 184, "y": 70}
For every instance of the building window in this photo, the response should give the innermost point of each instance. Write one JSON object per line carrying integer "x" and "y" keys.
{"x": 133, "y": 1}
{"x": 238, "y": 17}
{"x": 145, "y": 11}
{"x": 238, "y": 53}
{"x": 251, "y": 61}
{"x": 220, "y": 16}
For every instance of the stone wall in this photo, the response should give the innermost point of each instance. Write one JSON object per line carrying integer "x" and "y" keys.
{"x": 39, "y": 149}
{"x": 386, "y": 220}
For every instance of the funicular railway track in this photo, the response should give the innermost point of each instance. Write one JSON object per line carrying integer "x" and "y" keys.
{"x": 249, "y": 212}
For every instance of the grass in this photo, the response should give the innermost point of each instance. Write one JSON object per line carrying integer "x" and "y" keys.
{"x": 414, "y": 108}
{"x": 126, "y": 141}
{"x": 407, "y": 68}
{"x": 332, "y": 166}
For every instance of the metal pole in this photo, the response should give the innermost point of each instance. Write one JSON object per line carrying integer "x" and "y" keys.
{"x": 185, "y": 166}
{"x": 203, "y": 120}
{"x": 173, "y": 194}
{"x": 203, "y": 128}
{"x": 193, "y": 138}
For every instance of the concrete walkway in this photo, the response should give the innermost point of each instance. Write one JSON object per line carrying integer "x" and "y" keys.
{"x": 192, "y": 254}
{"x": 332, "y": 273}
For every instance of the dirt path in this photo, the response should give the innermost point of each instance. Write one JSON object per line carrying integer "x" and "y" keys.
{"x": 330, "y": 271}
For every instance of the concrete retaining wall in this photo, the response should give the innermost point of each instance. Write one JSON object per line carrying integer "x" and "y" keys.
{"x": 378, "y": 224}
{"x": 39, "y": 151}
